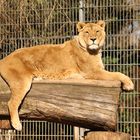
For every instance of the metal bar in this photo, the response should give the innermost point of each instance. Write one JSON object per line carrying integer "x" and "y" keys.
{"x": 81, "y": 11}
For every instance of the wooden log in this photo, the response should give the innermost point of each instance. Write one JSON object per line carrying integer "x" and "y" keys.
{"x": 107, "y": 136}
{"x": 85, "y": 103}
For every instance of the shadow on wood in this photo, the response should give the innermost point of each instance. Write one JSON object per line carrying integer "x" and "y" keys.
{"x": 86, "y": 103}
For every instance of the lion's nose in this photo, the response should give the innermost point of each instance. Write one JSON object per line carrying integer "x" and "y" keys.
{"x": 93, "y": 39}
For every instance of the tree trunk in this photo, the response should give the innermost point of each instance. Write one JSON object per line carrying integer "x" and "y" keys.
{"x": 87, "y": 103}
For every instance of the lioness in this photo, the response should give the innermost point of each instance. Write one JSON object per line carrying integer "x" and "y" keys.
{"x": 79, "y": 57}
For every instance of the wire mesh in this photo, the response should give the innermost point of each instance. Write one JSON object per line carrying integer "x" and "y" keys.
{"x": 24, "y": 23}
{"x": 39, "y": 130}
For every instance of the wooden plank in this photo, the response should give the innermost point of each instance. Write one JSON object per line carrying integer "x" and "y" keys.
{"x": 107, "y": 136}
{"x": 81, "y": 103}
{"x": 85, "y": 82}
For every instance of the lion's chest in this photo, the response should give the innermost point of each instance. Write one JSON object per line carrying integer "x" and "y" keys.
{"x": 90, "y": 63}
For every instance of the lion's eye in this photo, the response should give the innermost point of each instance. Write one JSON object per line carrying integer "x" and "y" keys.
{"x": 86, "y": 32}
{"x": 97, "y": 31}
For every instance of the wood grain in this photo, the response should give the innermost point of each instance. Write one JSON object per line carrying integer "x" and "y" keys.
{"x": 107, "y": 136}
{"x": 86, "y": 103}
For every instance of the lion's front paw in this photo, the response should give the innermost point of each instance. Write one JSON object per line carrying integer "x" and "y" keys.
{"x": 128, "y": 84}
{"x": 17, "y": 125}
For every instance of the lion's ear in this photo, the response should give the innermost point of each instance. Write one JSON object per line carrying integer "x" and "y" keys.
{"x": 101, "y": 23}
{"x": 80, "y": 26}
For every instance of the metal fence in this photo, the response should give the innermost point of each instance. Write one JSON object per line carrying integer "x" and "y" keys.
{"x": 24, "y": 23}
{"x": 39, "y": 130}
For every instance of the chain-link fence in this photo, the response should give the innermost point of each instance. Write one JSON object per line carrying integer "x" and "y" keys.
{"x": 24, "y": 23}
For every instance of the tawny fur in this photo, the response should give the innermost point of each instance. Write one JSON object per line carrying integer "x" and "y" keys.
{"x": 79, "y": 57}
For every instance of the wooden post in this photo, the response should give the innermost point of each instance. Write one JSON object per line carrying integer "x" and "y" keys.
{"x": 86, "y": 103}
{"x": 76, "y": 133}
{"x": 107, "y": 136}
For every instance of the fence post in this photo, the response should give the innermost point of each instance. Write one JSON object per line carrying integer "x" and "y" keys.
{"x": 81, "y": 11}
{"x": 81, "y": 19}
{"x": 76, "y": 133}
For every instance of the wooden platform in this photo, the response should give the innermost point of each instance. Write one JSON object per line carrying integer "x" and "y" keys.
{"x": 85, "y": 103}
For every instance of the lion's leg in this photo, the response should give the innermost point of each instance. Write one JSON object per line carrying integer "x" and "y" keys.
{"x": 18, "y": 93}
{"x": 19, "y": 87}
{"x": 106, "y": 75}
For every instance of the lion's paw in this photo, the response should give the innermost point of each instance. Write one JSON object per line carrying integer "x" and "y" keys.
{"x": 128, "y": 85}
{"x": 17, "y": 126}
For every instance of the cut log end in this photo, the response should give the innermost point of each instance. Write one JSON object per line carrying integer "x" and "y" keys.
{"x": 5, "y": 124}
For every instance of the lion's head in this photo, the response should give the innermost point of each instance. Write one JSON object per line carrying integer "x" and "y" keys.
{"x": 91, "y": 35}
